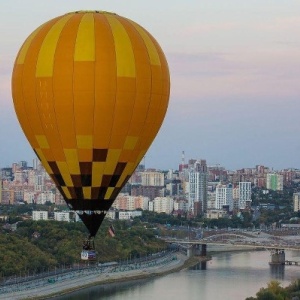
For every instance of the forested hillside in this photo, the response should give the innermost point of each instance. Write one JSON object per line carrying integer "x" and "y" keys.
{"x": 38, "y": 246}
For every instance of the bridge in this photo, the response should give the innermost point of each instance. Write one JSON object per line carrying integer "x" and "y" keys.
{"x": 276, "y": 245}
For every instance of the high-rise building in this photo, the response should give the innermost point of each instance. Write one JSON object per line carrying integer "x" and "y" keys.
{"x": 198, "y": 179}
{"x": 29, "y": 197}
{"x": 43, "y": 197}
{"x": 147, "y": 191}
{"x": 296, "y": 201}
{"x": 236, "y": 198}
{"x": 217, "y": 173}
{"x": 127, "y": 202}
{"x": 35, "y": 163}
{"x": 180, "y": 205}
{"x": 6, "y": 174}
{"x": 163, "y": 205}
{"x": 22, "y": 164}
{"x": 153, "y": 178}
{"x": 260, "y": 181}
{"x": 31, "y": 177}
{"x": 260, "y": 169}
{"x": 274, "y": 182}
{"x": 244, "y": 194}
{"x": 19, "y": 177}
{"x": 136, "y": 178}
{"x": 224, "y": 196}
{"x": 211, "y": 200}
{"x": 8, "y": 197}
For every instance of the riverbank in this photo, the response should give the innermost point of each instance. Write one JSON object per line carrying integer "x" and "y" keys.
{"x": 67, "y": 286}
{"x": 229, "y": 275}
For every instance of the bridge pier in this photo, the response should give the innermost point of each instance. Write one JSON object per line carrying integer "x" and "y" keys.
{"x": 197, "y": 250}
{"x": 190, "y": 251}
{"x": 277, "y": 257}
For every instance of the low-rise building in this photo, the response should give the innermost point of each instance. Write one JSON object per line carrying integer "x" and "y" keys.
{"x": 39, "y": 215}
{"x": 127, "y": 215}
{"x": 215, "y": 214}
{"x": 62, "y": 216}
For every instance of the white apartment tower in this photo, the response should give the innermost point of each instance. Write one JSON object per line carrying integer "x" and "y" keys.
{"x": 198, "y": 178}
{"x": 224, "y": 196}
{"x": 244, "y": 194}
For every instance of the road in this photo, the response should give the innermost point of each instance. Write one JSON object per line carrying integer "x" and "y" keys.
{"x": 41, "y": 288}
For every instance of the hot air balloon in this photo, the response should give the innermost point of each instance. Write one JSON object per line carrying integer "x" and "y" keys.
{"x": 90, "y": 91}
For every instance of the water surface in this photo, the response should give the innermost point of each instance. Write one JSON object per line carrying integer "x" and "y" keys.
{"x": 234, "y": 276}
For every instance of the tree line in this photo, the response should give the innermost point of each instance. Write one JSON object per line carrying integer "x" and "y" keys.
{"x": 274, "y": 291}
{"x": 38, "y": 246}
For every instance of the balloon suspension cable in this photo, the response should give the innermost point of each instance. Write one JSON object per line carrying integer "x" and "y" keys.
{"x": 88, "y": 243}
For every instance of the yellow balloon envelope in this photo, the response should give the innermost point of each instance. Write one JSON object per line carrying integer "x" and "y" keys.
{"x": 90, "y": 90}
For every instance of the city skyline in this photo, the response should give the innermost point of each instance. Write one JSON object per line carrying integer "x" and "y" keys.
{"x": 32, "y": 163}
{"x": 197, "y": 187}
{"x": 234, "y": 78}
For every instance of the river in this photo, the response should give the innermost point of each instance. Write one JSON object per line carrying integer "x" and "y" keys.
{"x": 230, "y": 275}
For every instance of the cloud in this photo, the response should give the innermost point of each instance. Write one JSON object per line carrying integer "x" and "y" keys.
{"x": 260, "y": 73}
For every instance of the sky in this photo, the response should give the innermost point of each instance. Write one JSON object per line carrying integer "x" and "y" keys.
{"x": 235, "y": 77}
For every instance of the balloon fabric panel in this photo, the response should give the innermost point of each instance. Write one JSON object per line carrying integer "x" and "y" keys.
{"x": 63, "y": 83}
{"x": 90, "y": 90}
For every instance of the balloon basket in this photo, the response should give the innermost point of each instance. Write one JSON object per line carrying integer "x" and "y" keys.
{"x": 88, "y": 252}
{"x": 88, "y": 255}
